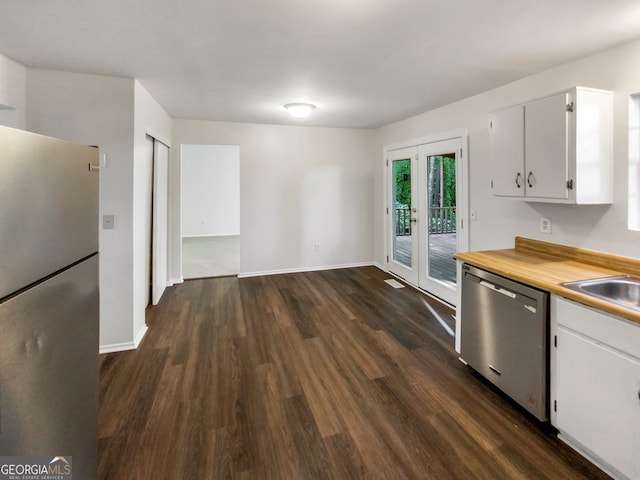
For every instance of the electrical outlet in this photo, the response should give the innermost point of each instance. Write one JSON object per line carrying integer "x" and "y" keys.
{"x": 545, "y": 225}
{"x": 317, "y": 246}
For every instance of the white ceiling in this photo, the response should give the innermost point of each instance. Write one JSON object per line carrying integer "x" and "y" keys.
{"x": 364, "y": 63}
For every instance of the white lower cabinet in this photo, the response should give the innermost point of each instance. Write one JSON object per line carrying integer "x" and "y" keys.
{"x": 595, "y": 385}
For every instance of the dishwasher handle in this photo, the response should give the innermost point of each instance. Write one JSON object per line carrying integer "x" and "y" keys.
{"x": 527, "y": 302}
{"x": 498, "y": 289}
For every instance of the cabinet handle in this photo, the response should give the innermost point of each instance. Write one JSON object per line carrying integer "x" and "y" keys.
{"x": 529, "y": 177}
{"x": 518, "y": 180}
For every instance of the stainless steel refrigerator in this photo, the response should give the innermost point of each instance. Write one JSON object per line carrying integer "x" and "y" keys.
{"x": 49, "y": 299}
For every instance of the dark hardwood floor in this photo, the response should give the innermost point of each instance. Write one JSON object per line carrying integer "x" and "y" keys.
{"x": 324, "y": 375}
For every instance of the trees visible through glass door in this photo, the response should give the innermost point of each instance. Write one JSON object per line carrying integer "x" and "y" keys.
{"x": 402, "y": 238}
{"x": 441, "y": 217}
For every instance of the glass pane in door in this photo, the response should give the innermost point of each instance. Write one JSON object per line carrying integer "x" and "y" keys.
{"x": 402, "y": 245}
{"x": 441, "y": 217}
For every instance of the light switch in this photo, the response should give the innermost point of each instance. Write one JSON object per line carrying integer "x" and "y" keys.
{"x": 108, "y": 222}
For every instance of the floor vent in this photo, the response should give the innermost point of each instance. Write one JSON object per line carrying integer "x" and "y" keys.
{"x": 394, "y": 283}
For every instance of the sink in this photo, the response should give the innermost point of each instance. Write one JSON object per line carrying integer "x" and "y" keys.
{"x": 622, "y": 290}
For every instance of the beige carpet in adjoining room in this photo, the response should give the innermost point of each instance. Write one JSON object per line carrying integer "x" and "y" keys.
{"x": 210, "y": 256}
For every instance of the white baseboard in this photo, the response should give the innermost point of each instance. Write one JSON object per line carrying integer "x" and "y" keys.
{"x": 304, "y": 269}
{"x": 117, "y": 347}
{"x": 125, "y": 346}
{"x": 380, "y": 266}
{"x": 175, "y": 281}
{"x": 140, "y": 335}
{"x": 589, "y": 455}
{"x": 212, "y": 235}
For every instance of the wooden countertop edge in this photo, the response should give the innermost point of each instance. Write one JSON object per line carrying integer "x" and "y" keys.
{"x": 545, "y": 266}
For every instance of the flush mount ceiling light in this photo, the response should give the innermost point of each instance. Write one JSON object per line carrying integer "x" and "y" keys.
{"x": 299, "y": 110}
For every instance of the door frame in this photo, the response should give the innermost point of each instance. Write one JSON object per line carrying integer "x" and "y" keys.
{"x": 160, "y": 220}
{"x": 214, "y": 155}
{"x": 462, "y": 209}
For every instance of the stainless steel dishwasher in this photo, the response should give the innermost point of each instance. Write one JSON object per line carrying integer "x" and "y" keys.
{"x": 504, "y": 336}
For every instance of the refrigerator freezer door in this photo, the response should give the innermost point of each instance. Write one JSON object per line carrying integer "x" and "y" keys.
{"x": 49, "y": 369}
{"x": 48, "y": 206}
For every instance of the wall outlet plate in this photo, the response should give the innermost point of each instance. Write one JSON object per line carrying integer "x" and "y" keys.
{"x": 545, "y": 225}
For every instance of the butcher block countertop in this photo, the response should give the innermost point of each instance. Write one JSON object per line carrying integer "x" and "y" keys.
{"x": 546, "y": 265}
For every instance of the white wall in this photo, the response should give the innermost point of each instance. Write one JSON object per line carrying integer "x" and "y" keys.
{"x": 601, "y": 228}
{"x": 149, "y": 118}
{"x": 13, "y": 93}
{"x": 298, "y": 186}
{"x": 115, "y": 114}
{"x": 97, "y": 110}
{"x": 211, "y": 204}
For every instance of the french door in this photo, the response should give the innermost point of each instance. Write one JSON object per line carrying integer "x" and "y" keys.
{"x": 438, "y": 166}
{"x": 403, "y": 208}
{"x": 425, "y": 191}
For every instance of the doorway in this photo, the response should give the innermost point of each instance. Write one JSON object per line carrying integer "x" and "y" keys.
{"x": 210, "y": 210}
{"x": 426, "y": 218}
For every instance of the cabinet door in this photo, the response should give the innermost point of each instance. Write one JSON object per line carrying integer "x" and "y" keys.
{"x": 506, "y": 139}
{"x": 546, "y": 147}
{"x": 598, "y": 405}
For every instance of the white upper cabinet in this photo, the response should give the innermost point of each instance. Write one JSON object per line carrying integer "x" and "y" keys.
{"x": 555, "y": 149}
{"x": 546, "y": 147}
{"x": 506, "y": 131}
